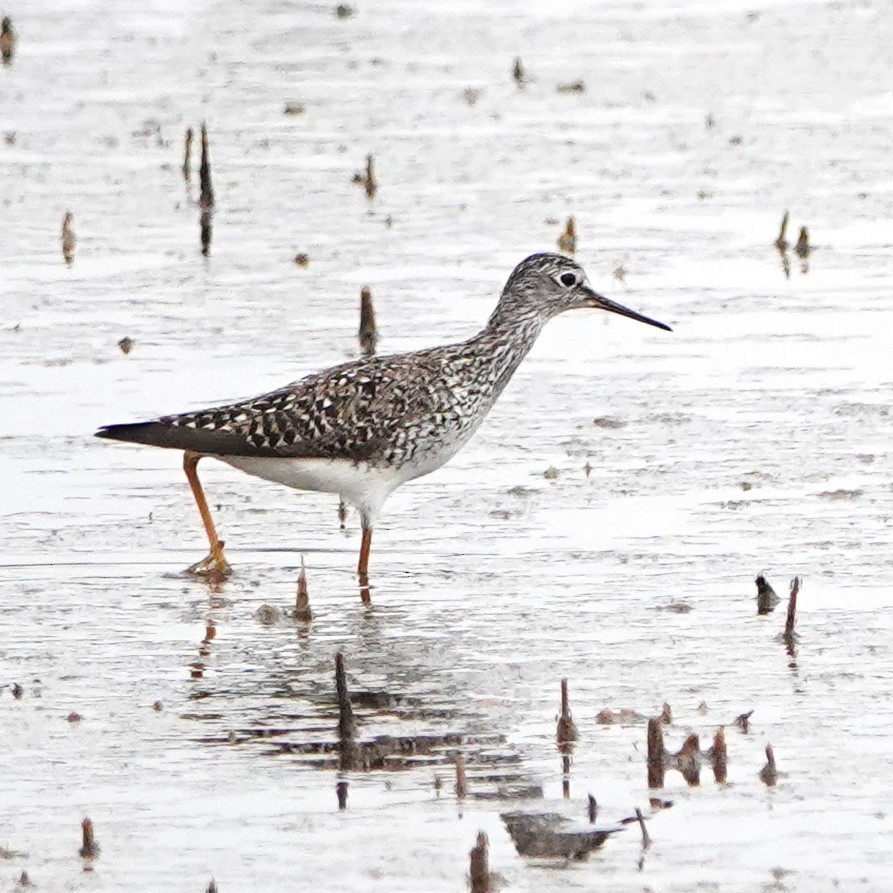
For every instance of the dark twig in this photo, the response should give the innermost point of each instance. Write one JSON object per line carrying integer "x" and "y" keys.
{"x": 791, "y": 620}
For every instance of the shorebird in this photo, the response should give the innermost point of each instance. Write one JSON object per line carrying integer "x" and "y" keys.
{"x": 363, "y": 428}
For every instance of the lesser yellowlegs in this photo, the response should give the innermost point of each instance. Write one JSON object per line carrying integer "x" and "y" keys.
{"x": 363, "y": 428}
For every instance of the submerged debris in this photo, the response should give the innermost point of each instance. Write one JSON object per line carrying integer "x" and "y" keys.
{"x": 68, "y": 237}
{"x": 302, "y": 259}
{"x": 567, "y": 241}
{"x": 766, "y": 597}
{"x": 572, "y": 87}
{"x": 126, "y": 345}
{"x": 743, "y": 721}
{"x": 344, "y": 11}
{"x": 293, "y": 109}
{"x": 368, "y": 333}
{"x": 479, "y": 870}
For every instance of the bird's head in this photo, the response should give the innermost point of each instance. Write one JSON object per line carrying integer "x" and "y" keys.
{"x": 548, "y": 284}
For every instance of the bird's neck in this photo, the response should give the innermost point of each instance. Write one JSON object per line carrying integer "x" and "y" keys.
{"x": 506, "y": 340}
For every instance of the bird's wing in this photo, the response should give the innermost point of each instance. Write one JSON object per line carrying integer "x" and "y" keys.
{"x": 350, "y": 411}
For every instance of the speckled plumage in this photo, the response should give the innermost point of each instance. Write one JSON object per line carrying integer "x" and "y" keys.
{"x": 402, "y": 415}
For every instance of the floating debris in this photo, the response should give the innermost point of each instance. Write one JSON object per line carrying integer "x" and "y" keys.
{"x": 302, "y": 259}
{"x": 69, "y": 240}
{"x": 206, "y": 190}
{"x": 7, "y": 41}
{"x": 551, "y": 836}
{"x": 74, "y": 716}
{"x": 743, "y": 721}
{"x": 620, "y": 273}
{"x": 567, "y": 730}
{"x": 158, "y": 706}
{"x": 187, "y": 154}
{"x": 518, "y": 73}
{"x": 293, "y": 109}
{"x": 567, "y": 241}
{"x": 587, "y": 469}
{"x": 781, "y": 243}
{"x": 302, "y": 599}
{"x": 268, "y": 615}
{"x": 551, "y": 473}
{"x": 344, "y": 11}
{"x": 366, "y": 178}
{"x": 9, "y": 138}
{"x": 769, "y": 774}
{"x": 368, "y": 333}
{"x": 341, "y": 793}
{"x": 471, "y": 95}
{"x": 479, "y": 870}
{"x": 736, "y": 141}
{"x": 17, "y": 691}
{"x": 572, "y": 87}
{"x": 791, "y": 620}
{"x": 709, "y": 121}
{"x": 610, "y": 422}
{"x": 89, "y": 847}
{"x": 802, "y": 248}
{"x": 126, "y": 345}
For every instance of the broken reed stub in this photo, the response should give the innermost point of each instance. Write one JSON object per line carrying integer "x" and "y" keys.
{"x": 206, "y": 190}
{"x": 592, "y": 809}
{"x": 461, "y": 786}
{"x": 7, "y": 41}
{"x": 656, "y": 753}
{"x": 212, "y": 887}
{"x": 567, "y": 729}
{"x": 367, "y": 178}
{"x": 347, "y": 728}
{"x": 69, "y": 240}
{"x": 341, "y": 793}
{"x": 688, "y": 760}
{"x": 802, "y": 248}
{"x": 719, "y": 757}
{"x": 567, "y": 241}
{"x": 302, "y": 599}
{"x": 791, "y": 620}
{"x": 368, "y": 332}
{"x": 89, "y": 847}
{"x": 518, "y": 74}
{"x": 187, "y": 153}
{"x": 205, "y": 231}
{"x": 479, "y": 868}
{"x": 766, "y": 596}
{"x": 769, "y": 774}
{"x": 781, "y": 243}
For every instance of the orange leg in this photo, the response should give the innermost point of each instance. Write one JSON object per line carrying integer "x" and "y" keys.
{"x": 214, "y": 564}
{"x": 363, "y": 566}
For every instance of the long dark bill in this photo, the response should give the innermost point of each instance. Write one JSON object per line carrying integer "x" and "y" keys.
{"x": 601, "y": 303}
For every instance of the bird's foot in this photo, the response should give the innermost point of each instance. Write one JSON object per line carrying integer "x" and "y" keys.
{"x": 213, "y": 566}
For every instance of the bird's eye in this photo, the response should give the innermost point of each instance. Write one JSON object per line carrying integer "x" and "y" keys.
{"x": 568, "y": 279}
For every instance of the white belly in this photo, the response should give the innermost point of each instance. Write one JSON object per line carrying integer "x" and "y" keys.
{"x": 364, "y": 486}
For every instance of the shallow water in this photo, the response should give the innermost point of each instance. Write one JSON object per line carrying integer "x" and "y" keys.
{"x": 754, "y": 438}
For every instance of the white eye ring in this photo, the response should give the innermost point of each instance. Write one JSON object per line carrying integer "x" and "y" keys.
{"x": 568, "y": 280}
